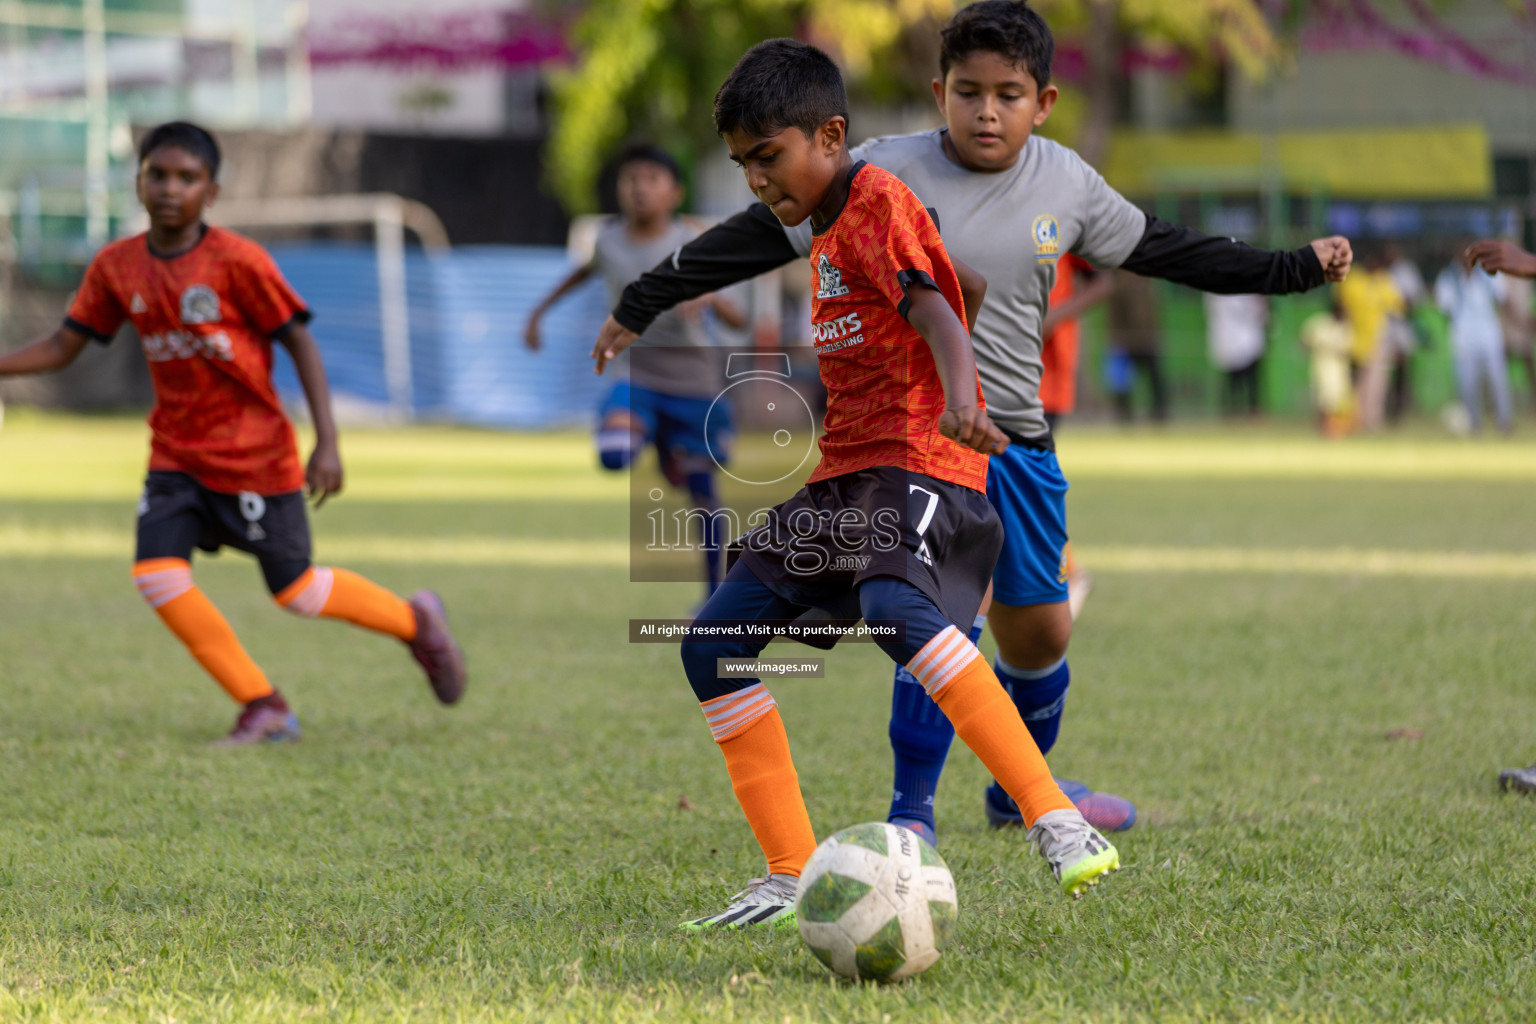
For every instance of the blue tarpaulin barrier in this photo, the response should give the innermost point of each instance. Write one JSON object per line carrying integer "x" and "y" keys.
{"x": 468, "y": 307}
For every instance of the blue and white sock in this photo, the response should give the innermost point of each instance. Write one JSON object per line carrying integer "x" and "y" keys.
{"x": 1040, "y": 694}
{"x": 920, "y": 740}
{"x": 616, "y": 446}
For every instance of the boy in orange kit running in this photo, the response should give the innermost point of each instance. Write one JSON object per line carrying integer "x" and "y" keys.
{"x": 224, "y": 468}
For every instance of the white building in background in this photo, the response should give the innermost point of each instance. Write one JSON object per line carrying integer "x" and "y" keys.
{"x": 227, "y": 62}
{"x": 462, "y": 67}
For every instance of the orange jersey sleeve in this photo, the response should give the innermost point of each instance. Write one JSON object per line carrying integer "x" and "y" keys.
{"x": 96, "y": 310}
{"x": 262, "y": 294}
{"x": 897, "y": 247}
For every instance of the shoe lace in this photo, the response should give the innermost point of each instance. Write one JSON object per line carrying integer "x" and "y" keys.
{"x": 1065, "y": 832}
{"x": 766, "y": 886}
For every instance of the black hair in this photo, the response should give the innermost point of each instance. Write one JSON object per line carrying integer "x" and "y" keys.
{"x": 779, "y": 84}
{"x": 1009, "y": 28}
{"x": 183, "y": 135}
{"x": 646, "y": 153}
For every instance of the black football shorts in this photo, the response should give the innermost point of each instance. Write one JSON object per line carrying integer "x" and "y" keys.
{"x": 817, "y": 547}
{"x": 177, "y": 514}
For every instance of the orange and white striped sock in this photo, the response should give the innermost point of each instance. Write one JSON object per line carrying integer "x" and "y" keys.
{"x": 323, "y": 592}
{"x": 958, "y": 678}
{"x": 751, "y": 735}
{"x": 166, "y": 583}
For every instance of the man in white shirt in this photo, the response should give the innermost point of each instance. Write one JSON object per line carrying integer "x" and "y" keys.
{"x": 1470, "y": 297}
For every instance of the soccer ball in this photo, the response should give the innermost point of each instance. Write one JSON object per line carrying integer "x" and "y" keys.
{"x": 876, "y": 903}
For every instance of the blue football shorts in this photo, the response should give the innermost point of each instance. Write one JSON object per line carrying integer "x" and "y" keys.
{"x": 1026, "y": 487}
{"x": 676, "y": 424}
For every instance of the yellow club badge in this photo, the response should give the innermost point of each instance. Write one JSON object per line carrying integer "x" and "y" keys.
{"x": 1047, "y": 244}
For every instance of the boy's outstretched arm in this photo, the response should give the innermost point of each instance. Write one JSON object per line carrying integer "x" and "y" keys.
{"x": 323, "y": 474}
{"x": 577, "y": 277}
{"x": 1501, "y": 257}
{"x": 54, "y": 352}
{"x": 931, "y": 316}
{"x": 1229, "y": 267}
{"x": 737, "y": 249}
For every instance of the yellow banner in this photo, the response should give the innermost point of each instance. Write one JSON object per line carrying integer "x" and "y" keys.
{"x": 1427, "y": 162}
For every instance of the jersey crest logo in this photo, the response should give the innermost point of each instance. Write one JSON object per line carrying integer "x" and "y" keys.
{"x": 137, "y": 305}
{"x": 831, "y": 279}
{"x": 1046, "y": 235}
{"x": 200, "y": 305}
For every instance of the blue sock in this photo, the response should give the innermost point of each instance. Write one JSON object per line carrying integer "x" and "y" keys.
{"x": 1040, "y": 695}
{"x": 920, "y": 740}
{"x": 701, "y": 490}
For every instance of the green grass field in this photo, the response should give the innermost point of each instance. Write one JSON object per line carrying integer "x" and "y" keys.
{"x": 1267, "y": 609}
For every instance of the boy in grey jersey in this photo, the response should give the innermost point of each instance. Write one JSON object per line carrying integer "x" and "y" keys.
{"x": 667, "y": 387}
{"x": 1009, "y": 204}
{"x": 1012, "y": 225}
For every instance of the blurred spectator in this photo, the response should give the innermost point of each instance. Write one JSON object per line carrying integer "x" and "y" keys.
{"x": 1135, "y": 338}
{"x": 1402, "y": 336}
{"x": 1506, "y": 258}
{"x": 1330, "y": 338}
{"x": 1369, "y": 298}
{"x": 1517, "y": 316}
{"x": 1470, "y": 297}
{"x": 1078, "y": 288}
{"x": 1235, "y": 330}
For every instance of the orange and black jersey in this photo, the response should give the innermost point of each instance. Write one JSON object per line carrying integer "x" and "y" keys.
{"x": 884, "y": 396}
{"x": 205, "y": 319}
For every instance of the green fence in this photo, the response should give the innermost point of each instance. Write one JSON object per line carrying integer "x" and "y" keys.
{"x": 1194, "y": 383}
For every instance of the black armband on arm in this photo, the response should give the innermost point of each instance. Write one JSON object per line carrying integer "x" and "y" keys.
{"x": 750, "y": 243}
{"x": 88, "y": 331}
{"x": 1221, "y": 265}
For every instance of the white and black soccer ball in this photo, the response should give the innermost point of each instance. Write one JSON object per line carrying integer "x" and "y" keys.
{"x": 876, "y": 902}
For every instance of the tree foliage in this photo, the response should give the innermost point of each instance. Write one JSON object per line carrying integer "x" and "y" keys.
{"x": 651, "y": 67}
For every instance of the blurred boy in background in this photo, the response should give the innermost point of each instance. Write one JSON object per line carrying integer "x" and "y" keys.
{"x": 1470, "y": 297}
{"x": 1402, "y": 337}
{"x": 1078, "y": 289}
{"x": 667, "y": 387}
{"x": 1505, "y": 258}
{"x": 1135, "y": 347}
{"x": 1370, "y": 299}
{"x": 1329, "y": 338}
{"x": 1236, "y": 329}
{"x": 1517, "y": 317}
{"x": 224, "y": 468}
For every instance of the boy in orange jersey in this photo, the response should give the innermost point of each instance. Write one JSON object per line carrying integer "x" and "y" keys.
{"x": 1078, "y": 288}
{"x": 224, "y": 468}
{"x": 894, "y": 525}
